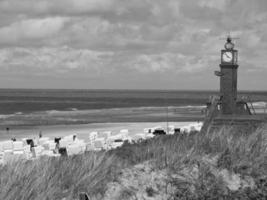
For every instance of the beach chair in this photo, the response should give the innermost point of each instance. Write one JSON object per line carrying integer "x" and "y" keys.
{"x": 74, "y": 149}
{"x": 124, "y": 132}
{"x": 8, "y": 145}
{"x": 1, "y": 147}
{"x": 115, "y": 141}
{"x": 82, "y": 144}
{"x": 138, "y": 137}
{"x": 64, "y": 143}
{"x": 105, "y": 135}
{"x": 46, "y": 146}
{"x": 47, "y": 153}
{"x": 89, "y": 146}
{"x": 93, "y": 135}
{"x": 170, "y": 130}
{"x": 37, "y": 151}
{"x": 69, "y": 138}
{"x": 18, "y": 155}
{"x": 185, "y": 129}
{"x": 1, "y": 157}
{"x": 27, "y": 151}
{"x": 52, "y": 145}
{"x": 148, "y": 130}
{"x": 43, "y": 140}
{"x": 99, "y": 144}
{"x": 8, "y": 156}
{"x": 18, "y": 146}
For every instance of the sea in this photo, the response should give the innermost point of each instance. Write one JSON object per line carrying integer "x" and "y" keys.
{"x": 32, "y": 107}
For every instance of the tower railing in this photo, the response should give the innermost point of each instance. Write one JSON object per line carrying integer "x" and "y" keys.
{"x": 212, "y": 111}
{"x": 250, "y": 104}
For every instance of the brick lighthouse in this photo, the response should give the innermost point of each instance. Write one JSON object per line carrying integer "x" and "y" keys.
{"x": 228, "y": 78}
{"x": 227, "y": 109}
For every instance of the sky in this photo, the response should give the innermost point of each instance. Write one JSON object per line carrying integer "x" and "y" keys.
{"x": 129, "y": 44}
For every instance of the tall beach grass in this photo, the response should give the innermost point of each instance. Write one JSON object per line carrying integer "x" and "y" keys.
{"x": 64, "y": 178}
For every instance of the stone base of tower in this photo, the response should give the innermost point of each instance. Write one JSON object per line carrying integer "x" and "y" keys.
{"x": 242, "y": 121}
{"x": 236, "y": 123}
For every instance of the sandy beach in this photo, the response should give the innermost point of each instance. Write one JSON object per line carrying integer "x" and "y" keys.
{"x": 82, "y": 130}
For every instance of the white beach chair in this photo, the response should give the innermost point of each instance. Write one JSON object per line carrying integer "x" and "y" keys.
{"x": 185, "y": 129}
{"x": 124, "y": 132}
{"x": 8, "y": 156}
{"x": 69, "y": 138}
{"x": 18, "y": 146}
{"x": 27, "y": 151}
{"x": 170, "y": 130}
{"x": 52, "y": 145}
{"x": 49, "y": 145}
{"x": 149, "y": 136}
{"x": 81, "y": 144}
{"x": 115, "y": 141}
{"x": 43, "y": 140}
{"x": 99, "y": 144}
{"x": 1, "y": 147}
{"x": 47, "y": 153}
{"x": 8, "y": 145}
{"x": 37, "y": 151}
{"x": 18, "y": 155}
{"x": 1, "y": 157}
{"x": 74, "y": 149}
{"x": 46, "y": 146}
{"x": 63, "y": 143}
{"x": 105, "y": 135}
{"x": 138, "y": 137}
{"x": 148, "y": 130}
{"x": 92, "y": 137}
{"x": 89, "y": 146}
{"x": 24, "y": 140}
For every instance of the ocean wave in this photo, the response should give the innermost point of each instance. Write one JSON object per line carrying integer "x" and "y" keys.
{"x": 260, "y": 104}
{"x": 18, "y": 113}
{"x": 192, "y": 107}
{"x": 77, "y": 111}
{"x": 4, "y": 116}
{"x": 52, "y": 111}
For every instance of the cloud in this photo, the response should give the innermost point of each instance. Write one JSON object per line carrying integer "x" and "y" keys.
{"x": 116, "y": 39}
{"x": 57, "y": 7}
{"x": 31, "y": 29}
{"x": 52, "y": 61}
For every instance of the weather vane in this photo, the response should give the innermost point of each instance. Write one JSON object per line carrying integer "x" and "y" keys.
{"x": 229, "y": 45}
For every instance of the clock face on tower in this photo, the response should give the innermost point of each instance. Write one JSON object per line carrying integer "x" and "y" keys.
{"x": 227, "y": 57}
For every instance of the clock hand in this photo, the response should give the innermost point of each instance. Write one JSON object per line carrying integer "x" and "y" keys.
{"x": 227, "y": 56}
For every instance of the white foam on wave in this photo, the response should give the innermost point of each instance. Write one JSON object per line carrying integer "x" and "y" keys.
{"x": 190, "y": 107}
{"x": 52, "y": 111}
{"x": 259, "y": 104}
{"x": 4, "y": 116}
{"x": 18, "y": 113}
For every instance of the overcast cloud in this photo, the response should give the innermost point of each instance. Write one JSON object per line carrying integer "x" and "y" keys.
{"x": 129, "y": 44}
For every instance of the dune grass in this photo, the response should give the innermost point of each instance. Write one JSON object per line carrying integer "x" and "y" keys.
{"x": 65, "y": 177}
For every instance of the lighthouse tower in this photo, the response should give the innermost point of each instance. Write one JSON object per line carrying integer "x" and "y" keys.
{"x": 228, "y": 78}
{"x": 227, "y": 109}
